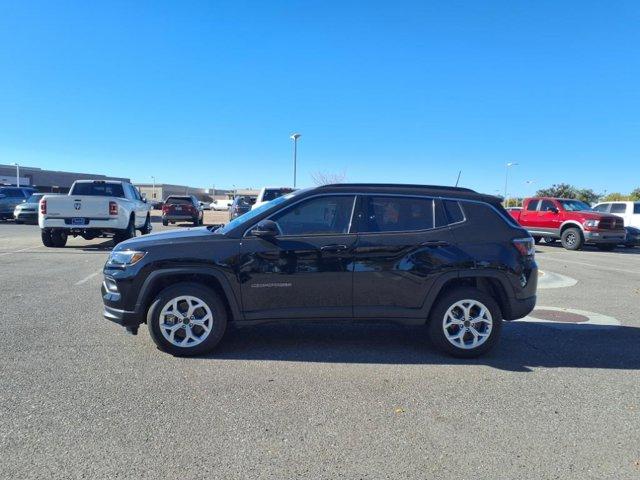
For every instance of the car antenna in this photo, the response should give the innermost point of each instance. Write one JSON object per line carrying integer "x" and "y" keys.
{"x": 458, "y": 179}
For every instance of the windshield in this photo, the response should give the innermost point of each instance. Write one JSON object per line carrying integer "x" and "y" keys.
{"x": 247, "y": 217}
{"x": 35, "y": 198}
{"x": 574, "y": 205}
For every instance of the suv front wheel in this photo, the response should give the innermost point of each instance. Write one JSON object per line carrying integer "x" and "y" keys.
{"x": 465, "y": 322}
{"x": 187, "y": 319}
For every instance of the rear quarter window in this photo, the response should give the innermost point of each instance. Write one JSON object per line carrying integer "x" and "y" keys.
{"x": 454, "y": 211}
{"x": 636, "y": 208}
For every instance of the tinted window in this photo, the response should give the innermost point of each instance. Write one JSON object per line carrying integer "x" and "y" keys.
{"x": 397, "y": 214}
{"x": 532, "y": 205}
{"x": 322, "y": 215}
{"x": 547, "y": 206}
{"x": 574, "y": 205}
{"x": 178, "y": 200}
{"x": 98, "y": 189}
{"x": 273, "y": 193}
{"x": 618, "y": 208}
{"x": 11, "y": 192}
{"x": 636, "y": 207}
{"x": 454, "y": 211}
{"x": 601, "y": 208}
{"x": 35, "y": 198}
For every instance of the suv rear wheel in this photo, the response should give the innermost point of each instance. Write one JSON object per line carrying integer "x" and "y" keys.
{"x": 465, "y": 322}
{"x": 187, "y": 319}
{"x": 572, "y": 239}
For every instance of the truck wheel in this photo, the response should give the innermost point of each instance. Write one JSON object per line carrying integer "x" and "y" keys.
{"x": 146, "y": 228}
{"x": 187, "y": 319}
{"x": 572, "y": 239}
{"x": 126, "y": 234}
{"x": 537, "y": 239}
{"x": 465, "y": 322}
{"x": 46, "y": 237}
{"x": 606, "y": 247}
{"x": 58, "y": 238}
{"x": 165, "y": 222}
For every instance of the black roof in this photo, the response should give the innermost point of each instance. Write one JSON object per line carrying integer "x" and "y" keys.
{"x": 409, "y": 189}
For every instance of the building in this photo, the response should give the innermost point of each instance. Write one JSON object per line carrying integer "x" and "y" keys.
{"x": 161, "y": 191}
{"x": 47, "y": 180}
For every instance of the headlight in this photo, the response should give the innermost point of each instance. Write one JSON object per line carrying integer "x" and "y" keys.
{"x": 592, "y": 223}
{"x": 125, "y": 258}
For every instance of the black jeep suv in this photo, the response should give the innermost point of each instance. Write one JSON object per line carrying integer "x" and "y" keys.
{"x": 449, "y": 257}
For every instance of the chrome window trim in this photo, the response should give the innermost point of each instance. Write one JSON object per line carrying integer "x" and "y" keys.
{"x": 380, "y": 194}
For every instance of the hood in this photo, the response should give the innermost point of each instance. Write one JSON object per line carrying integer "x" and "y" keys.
{"x": 587, "y": 215}
{"x": 168, "y": 237}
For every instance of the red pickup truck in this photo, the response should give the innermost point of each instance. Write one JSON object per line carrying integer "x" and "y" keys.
{"x": 571, "y": 221}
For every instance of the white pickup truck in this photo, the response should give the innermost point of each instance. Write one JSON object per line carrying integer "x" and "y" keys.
{"x": 94, "y": 208}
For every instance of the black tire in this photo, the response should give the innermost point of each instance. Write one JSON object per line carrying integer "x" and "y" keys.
{"x": 125, "y": 234}
{"x": 18, "y": 222}
{"x": 606, "y": 247}
{"x": 165, "y": 222}
{"x": 218, "y": 323}
{"x": 438, "y": 317}
{"x": 537, "y": 238}
{"x": 58, "y": 238}
{"x": 45, "y": 235}
{"x": 549, "y": 240}
{"x": 146, "y": 228}
{"x": 572, "y": 239}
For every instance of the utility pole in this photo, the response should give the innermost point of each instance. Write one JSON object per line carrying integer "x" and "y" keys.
{"x": 506, "y": 182}
{"x": 295, "y": 138}
{"x": 153, "y": 189}
{"x": 17, "y": 174}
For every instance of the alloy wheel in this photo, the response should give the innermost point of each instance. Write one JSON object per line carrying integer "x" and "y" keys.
{"x": 467, "y": 324}
{"x": 185, "y": 321}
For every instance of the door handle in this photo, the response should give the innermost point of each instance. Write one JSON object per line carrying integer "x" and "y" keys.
{"x": 435, "y": 243}
{"x": 333, "y": 248}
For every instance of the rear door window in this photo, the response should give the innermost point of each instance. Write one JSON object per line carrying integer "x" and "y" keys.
{"x": 636, "y": 208}
{"x": 601, "y": 208}
{"x": 532, "y": 206}
{"x": 396, "y": 214}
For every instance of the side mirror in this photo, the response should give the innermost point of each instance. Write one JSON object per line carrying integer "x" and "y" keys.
{"x": 265, "y": 229}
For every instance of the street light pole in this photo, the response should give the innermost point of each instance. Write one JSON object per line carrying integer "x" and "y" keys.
{"x": 506, "y": 182}
{"x": 17, "y": 174}
{"x": 295, "y": 138}
{"x": 153, "y": 188}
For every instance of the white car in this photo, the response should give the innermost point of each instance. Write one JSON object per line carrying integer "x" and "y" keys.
{"x": 91, "y": 209}
{"x": 221, "y": 205}
{"x": 628, "y": 211}
{"x": 270, "y": 193}
{"x": 204, "y": 205}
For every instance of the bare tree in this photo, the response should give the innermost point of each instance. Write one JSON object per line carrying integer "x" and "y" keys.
{"x": 327, "y": 178}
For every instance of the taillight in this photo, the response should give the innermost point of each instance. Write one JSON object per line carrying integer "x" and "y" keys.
{"x": 113, "y": 208}
{"x": 165, "y": 208}
{"x": 525, "y": 246}
{"x": 43, "y": 207}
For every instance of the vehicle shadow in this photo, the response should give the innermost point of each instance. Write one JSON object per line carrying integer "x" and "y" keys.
{"x": 523, "y": 346}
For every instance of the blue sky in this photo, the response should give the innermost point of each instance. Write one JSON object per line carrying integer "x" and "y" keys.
{"x": 207, "y": 93}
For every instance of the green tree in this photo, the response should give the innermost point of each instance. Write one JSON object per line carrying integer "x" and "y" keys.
{"x": 614, "y": 197}
{"x": 558, "y": 190}
{"x": 587, "y": 195}
{"x": 635, "y": 194}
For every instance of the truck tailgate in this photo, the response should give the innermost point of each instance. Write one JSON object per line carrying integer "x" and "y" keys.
{"x": 70, "y": 206}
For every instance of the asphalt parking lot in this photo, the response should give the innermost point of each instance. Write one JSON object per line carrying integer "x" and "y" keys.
{"x": 79, "y": 398}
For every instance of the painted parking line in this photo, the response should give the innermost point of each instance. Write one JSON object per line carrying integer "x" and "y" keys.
{"x": 88, "y": 277}
{"x": 592, "y": 265}
{"x": 21, "y": 250}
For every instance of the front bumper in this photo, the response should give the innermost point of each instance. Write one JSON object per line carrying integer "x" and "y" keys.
{"x": 126, "y": 318}
{"x": 30, "y": 217}
{"x": 604, "y": 236}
